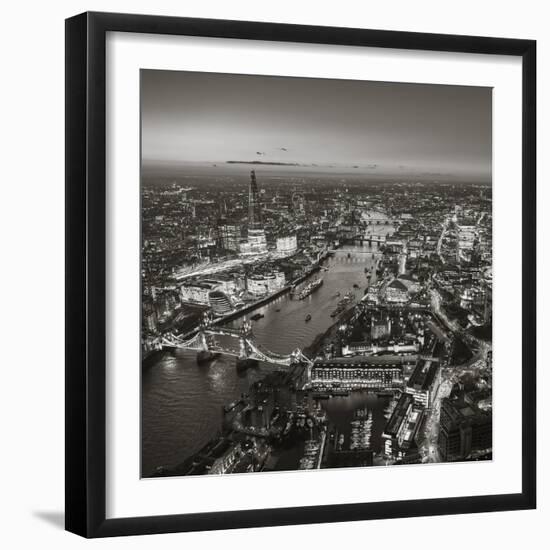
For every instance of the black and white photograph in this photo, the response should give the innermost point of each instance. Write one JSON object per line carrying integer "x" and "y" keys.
{"x": 316, "y": 273}
{"x": 260, "y": 259}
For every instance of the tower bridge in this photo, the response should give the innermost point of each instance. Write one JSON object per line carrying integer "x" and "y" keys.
{"x": 239, "y": 343}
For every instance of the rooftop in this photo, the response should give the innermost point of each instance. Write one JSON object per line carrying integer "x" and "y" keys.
{"x": 398, "y": 416}
{"x": 423, "y": 375}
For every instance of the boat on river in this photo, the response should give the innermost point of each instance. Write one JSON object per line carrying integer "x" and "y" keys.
{"x": 308, "y": 317}
{"x": 310, "y": 288}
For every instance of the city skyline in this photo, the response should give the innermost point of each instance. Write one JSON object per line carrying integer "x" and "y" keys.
{"x": 377, "y": 128}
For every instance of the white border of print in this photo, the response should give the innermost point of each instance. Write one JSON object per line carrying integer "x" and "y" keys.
{"x": 127, "y": 494}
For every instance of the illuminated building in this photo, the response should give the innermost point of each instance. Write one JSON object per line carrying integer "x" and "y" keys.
{"x": 380, "y": 329}
{"x": 356, "y": 372}
{"x": 257, "y": 243}
{"x": 400, "y": 289}
{"x": 261, "y": 284}
{"x": 287, "y": 245}
{"x": 220, "y": 302}
{"x": 366, "y": 348}
{"x": 229, "y": 236}
{"x": 424, "y": 382}
{"x": 397, "y": 292}
{"x": 229, "y": 458}
{"x": 402, "y": 426}
{"x": 223, "y": 282}
{"x": 402, "y": 261}
{"x": 254, "y": 208}
{"x": 196, "y": 292}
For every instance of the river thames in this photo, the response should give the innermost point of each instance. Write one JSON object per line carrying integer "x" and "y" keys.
{"x": 182, "y": 402}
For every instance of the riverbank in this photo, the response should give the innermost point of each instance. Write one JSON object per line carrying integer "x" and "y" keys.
{"x": 249, "y": 308}
{"x": 315, "y": 347}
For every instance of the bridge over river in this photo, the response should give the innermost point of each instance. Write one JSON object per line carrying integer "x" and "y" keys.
{"x": 239, "y": 343}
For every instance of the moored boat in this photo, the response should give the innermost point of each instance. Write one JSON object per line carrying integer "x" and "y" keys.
{"x": 310, "y": 288}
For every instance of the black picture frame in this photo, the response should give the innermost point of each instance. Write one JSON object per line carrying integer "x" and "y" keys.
{"x": 86, "y": 283}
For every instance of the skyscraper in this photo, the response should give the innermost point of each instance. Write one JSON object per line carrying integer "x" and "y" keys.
{"x": 257, "y": 243}
{"x": 254, "y": 209}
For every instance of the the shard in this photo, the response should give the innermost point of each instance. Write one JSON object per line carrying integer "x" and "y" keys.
{"x": 254, "y": 209}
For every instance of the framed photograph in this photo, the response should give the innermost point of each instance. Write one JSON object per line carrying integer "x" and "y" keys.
{"x": 300, "y": 274}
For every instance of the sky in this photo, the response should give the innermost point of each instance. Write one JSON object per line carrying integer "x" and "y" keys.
{"x": 208, "y": 117}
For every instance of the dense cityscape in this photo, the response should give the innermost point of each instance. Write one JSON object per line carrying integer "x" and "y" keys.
{"x": 308, "y": 319}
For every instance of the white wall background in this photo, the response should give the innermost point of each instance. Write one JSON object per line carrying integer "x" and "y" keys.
{"x": 32, "y": 269}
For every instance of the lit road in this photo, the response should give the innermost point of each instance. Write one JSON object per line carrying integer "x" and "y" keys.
{"x": 442, "y": 236}
{"x": 429, "y": 448}
{"x": 212, "y": 268}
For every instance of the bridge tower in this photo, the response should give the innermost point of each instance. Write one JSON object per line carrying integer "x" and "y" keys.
{"x": 206, "y": 321}
{"x": 243, "y": 348}
{"x": 244, "y": 361}
{"x": 244, "y": 336}
{"x": 246, "y": 329}
{"x": 204, "y": 355}
{"x": 204, "y": 324}
{"x": 203, "y": 341}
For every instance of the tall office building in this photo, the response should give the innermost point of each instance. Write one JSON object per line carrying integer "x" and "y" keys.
{"x": 254, "y": 208}
{"x": 229, "y": 234}
{"x": 257, "y": 243}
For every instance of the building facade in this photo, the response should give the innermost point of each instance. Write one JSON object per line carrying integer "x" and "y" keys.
{"x": 355, "y": 373}
{"x": 380, "y": 329}
{"x": 397, "y": 292}
{"x": 424, "y": 382}
{"x": 399, "y": 436}
{"x": 287, "y": 246}
{"x": 197, "y": 292}
{"x": 262, "y": 284}
{"x": 257, "y": 242}
{"x": 230, "y": 236}
{"x": 220, "y": 303}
